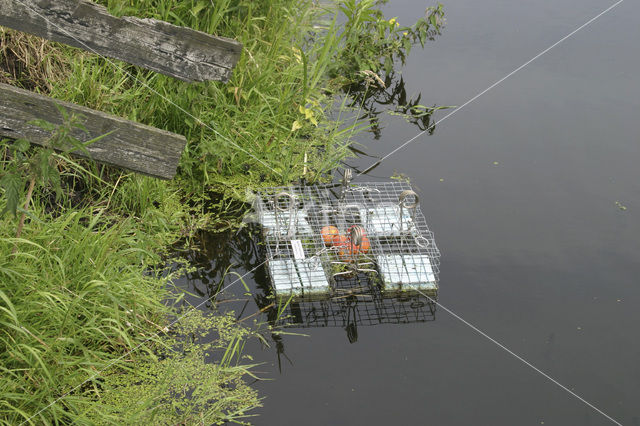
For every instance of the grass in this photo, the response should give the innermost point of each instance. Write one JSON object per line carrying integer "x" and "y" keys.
{"x": 82, "y": 286}
{"x": 30, "y": 62}
{"x": 180, "y": 385}
{"x": 81, "y": 292}
{"x": 72, "y": 298}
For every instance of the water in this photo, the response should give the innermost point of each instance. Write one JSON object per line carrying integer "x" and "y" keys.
{"x": 524, "y": 189}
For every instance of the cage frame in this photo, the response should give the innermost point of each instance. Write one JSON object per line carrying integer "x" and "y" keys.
{"x": 401, "y": 255}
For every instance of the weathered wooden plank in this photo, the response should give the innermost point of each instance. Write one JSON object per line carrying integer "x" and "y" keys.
{"x": 156, "y": 45}
{"x": 131, "y": 145}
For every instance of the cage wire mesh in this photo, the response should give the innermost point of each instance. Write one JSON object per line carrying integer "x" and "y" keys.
{"x": 366, "y": 239}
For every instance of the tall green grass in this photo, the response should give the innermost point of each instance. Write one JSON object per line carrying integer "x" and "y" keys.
{"x": 72, "y": 299}
{"x": 270, "y": 123}
{"x": 83, "y": 309}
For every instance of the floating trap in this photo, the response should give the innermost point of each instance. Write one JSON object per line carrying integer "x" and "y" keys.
{"x": 327, "y": 242}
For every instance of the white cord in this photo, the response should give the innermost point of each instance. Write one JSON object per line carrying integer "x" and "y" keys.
{"x": 489, "y": 88}
{"x": 518, "y": 357}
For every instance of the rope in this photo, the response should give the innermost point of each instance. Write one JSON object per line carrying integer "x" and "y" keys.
{"x": 519, "y": 358}
{"x": 377, "y": 163}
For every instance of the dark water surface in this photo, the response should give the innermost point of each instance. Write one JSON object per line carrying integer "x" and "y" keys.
{"x": 523, "y": 189}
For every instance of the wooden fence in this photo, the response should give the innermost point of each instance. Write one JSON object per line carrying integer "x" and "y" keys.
{"x": 130, "y": 145}
{"x": 179, "y": 52}
{"x": 156, "y": 45}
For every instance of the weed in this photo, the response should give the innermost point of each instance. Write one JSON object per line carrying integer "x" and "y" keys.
{"x": 275, "y": 108}
{"x": 73, "y": 298}
{"x": 181, "y": 385}
{"x": 38, "y": 165}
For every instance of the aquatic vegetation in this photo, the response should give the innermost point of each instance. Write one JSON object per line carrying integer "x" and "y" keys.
{"x": 182, "y": 385}
{"x": 73, "y": 301}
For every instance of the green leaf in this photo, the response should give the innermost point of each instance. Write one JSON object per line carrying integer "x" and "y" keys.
{"x": 198, "y": 8}
{"x": 43, "y": 124}
{"x": 79, "y": 125}
{"x": 295, "y": 126}
{"x": 53, "y": 177}
{"x": 21, "y": 145}
{"x": 388, "y": 65}
{"x": 11, "y": 184}
{"x": 41, "y": 164}
{"x": 63, "y": 112}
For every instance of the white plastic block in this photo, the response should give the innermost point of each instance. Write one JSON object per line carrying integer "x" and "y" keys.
{"x": 285, "y": 277}
{"x": 298, "y": 277}
{"x": 300, "y": 226}
{"x": 312, "y": 275}
{"x": 384, "y": 220}
{"x": 407, "y": 272}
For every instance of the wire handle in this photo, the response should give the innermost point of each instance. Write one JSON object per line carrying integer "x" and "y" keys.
{"x": 291, "y": 208}
{"x": 346, "y": 180}
{"x": 405, "y": 203}
{"x": 279, "y": 195}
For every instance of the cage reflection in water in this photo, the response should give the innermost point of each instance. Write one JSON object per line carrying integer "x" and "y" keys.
{"x": 354, "y": 310}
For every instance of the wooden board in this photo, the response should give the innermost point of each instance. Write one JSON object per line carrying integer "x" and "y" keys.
{"x": 131, "y": 145}
{"x": 156, "y": 45}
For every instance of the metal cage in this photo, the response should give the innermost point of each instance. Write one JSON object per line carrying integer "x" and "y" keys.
{"x": 323, "y": 241}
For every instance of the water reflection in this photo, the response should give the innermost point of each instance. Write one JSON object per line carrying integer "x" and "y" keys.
{"x": 349, "y": 312}
{"x": 375, "y": 100}
{"x": 219, "y": 259}
{"x": 214, "y": 256}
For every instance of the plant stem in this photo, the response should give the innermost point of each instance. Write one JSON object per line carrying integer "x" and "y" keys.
{"x": 32, "y": 184}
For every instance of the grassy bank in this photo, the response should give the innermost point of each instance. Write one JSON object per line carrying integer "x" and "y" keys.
{"x": 73, "y": 298}
{"x": 83, "y": 311}
{"x": 81, "y": 283}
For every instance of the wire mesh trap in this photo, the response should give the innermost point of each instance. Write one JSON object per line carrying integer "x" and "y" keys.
{"x": 324, "y": 242}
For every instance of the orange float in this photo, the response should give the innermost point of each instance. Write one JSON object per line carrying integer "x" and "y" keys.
{"x": 328, "y": 234}
{"x": 339, "y": 241}
{"x": 364, "y": 246}
{"x": 347, "y": 251}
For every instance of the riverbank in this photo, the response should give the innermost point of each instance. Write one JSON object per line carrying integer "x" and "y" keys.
{"x": 83, "y": 309}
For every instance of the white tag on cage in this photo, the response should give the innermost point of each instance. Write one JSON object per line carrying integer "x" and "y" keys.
{"x": 298, "y": 251}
